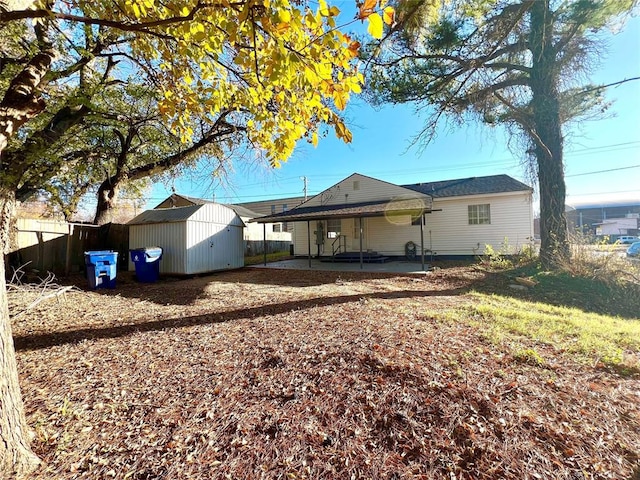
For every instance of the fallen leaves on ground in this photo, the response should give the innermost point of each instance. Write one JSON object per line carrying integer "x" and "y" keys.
{"x": 262, "y": 373}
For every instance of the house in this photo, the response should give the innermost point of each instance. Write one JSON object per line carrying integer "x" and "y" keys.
{"x": 615, "y": 227}
{"x": 450, "y": 218}
{"x": 195, "y": 239}
{"x": 271, "y": 207}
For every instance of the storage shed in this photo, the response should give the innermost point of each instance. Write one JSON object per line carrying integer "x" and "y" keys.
{"x": 194, "y": 239}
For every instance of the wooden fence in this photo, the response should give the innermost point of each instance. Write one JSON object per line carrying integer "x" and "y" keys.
{"x": 48, "y": 245}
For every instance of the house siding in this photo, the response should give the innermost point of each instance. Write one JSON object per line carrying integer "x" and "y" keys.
{"x": 255, "y": 232}
{"x": 511, "y": 224}
{"x": 446, "y": 232}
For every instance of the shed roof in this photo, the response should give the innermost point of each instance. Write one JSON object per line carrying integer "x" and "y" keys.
{"x": 469, "y": 186}
{"x": 240, "y": 210}
{"x": 165, "y": 215}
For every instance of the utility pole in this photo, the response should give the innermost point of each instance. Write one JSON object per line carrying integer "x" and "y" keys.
{"x": 304, "y": 180}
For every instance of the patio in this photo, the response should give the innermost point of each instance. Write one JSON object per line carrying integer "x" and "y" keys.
{"x": 395, "y": 266}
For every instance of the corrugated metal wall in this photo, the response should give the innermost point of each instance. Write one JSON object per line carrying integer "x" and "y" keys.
{"x": 217, "y": 213}
{"x": 170, "y": 236}
{"x": 213, "y": 246}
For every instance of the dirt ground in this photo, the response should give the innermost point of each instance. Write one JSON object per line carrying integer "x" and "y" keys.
{"x": 272, "y": 374}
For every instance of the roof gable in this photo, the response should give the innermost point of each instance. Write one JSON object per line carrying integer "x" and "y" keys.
{"x": 176, "y": 200}
{"x": 470, "y": 186}
{"x": 358, "y": 188}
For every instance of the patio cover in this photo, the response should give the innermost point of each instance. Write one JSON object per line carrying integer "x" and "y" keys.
{"x": 414, "y": 206}
{"x": 379, "y": 208}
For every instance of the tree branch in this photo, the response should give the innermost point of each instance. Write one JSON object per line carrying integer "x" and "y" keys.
{"x": 602, "y": 87}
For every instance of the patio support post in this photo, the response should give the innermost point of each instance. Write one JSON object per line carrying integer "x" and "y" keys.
{"x": 360, "y": 226}
{"x": 309, "y": 241}
{"x": 264, "y": 242}
{"x": 422, "y": 239}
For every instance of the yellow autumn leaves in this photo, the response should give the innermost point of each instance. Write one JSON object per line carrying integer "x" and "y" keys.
{"x": 278, "y": 70}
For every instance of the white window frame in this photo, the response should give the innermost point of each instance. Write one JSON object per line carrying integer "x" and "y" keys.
{"x": 479, "y": 214}
{"x": 332, "y": 232}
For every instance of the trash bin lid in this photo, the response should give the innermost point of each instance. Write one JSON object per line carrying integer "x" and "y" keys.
{"x": 145, "y": 253}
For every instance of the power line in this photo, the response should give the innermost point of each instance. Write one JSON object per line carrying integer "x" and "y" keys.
{"x": 602, "y": 171}
{"x": 601, "y": 193}
{"x": 504, "y": 161}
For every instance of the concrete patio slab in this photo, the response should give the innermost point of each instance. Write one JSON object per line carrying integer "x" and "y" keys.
{"x": 399, "y": 266}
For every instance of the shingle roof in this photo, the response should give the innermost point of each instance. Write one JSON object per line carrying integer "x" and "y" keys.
{"x": 469, "y": 186}
{"x": 165, "y": 215}
{"x": 365, "y": 209}
{"x": 242, "y": 211}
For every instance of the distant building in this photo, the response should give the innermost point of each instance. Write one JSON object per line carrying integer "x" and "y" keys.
{"x": 273, "y": 207}
{"x": 612, "y": 218}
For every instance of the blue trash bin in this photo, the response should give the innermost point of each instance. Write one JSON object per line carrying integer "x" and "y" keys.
{"x": 147, "y": 263}
{"x": 102, "y": 268}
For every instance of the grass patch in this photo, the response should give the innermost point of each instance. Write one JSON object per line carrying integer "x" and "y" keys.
{"x": 609, "y": 292}
{"x": 588, "y": 337}
{"x": 529, "y": 356}
{"x": 271, "y": 257}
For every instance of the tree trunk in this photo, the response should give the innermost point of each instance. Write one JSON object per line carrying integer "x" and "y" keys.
{"x": 547, "y": 137}
{"x": 16, "y": 458}
{"x": 107, "y": 195}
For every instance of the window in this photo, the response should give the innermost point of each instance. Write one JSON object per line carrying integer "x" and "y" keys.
{"x": 333, "y": 227}
{"x": 356, "y": 184}
{"x": 284, "y": 207}
{"x": 276, "y": 227}
{"x": 273, "y": 209}
{"x": 479, "y": 214}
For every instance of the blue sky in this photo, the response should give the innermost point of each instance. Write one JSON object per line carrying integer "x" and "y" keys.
{"x": 602, "y": 157}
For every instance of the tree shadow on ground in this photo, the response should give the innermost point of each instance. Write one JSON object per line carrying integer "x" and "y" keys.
{"x": 186, "y": 290}
{"x": 39, "y": 341}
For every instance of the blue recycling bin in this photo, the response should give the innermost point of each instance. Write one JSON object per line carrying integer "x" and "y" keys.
{"x": 147, "y": 263}
{"x": 102, "y": 267}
